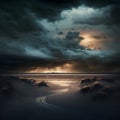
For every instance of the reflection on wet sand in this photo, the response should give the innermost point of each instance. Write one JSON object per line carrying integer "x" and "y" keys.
{"x": 62, "y": 83}
{"x": 69, "y": 98}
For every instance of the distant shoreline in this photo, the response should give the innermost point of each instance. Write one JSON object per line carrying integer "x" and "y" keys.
{"x": 54, "y": 74}
{"x": 68, "y": 73}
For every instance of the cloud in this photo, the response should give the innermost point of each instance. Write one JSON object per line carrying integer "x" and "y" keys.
{"x": 87, "y": 15}
{"x": 87, "y": 20}
{"x": 29, "y": 36}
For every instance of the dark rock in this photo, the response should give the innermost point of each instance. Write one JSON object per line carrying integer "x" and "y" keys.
{"x": 97, "y": 86}
{"x": 85, "y": 89}
{"x": 6, "y": 88}
{"x": 106, "y": 80}
{"x": 109, "y": 90}
{"x": 86, "y": 81}
{"x": 29, "y": 81}
{"x": 42, "y": 84}
{"x": 92, "y": 88}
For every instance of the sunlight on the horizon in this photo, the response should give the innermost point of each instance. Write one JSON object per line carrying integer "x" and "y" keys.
{"x": 66, "y": 68}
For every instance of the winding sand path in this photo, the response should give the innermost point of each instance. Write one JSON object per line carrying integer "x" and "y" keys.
{"x": 42, "y": 100}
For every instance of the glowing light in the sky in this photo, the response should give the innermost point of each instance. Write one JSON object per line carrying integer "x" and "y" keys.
{"x": 66, "y": 68}
{"x": 90, "y": 42}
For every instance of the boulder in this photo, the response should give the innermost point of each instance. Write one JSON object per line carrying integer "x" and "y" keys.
{"x": 97, "y": 86}
{"x": 85, "y": 89}
{"x": 108, "y": 89}
{"x": 6, "y": 88}
{"x": 42, "y": 84}
{"x": 87, "y": 81}
{"x": 106, "y": 80}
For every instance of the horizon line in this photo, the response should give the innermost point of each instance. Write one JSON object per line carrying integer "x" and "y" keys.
{"x": 65, "y": 73}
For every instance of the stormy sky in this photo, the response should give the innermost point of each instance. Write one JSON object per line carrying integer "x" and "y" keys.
{"x": 39, "y": 36}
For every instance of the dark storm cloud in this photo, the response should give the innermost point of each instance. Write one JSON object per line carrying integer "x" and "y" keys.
{"x": 41, "y": 45}
{"x": 43, "y": 8}
{"x": 28, "y": 34}
{"x": 14, "y": 15}
{"x": 50, "y": 8}
{"x": 20, "y": 64}
{"x": 109, "y": 64}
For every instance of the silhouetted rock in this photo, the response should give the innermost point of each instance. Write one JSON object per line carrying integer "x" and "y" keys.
{"x": 106, "y": 80}
{"x": 85, "y": 89}
{"x": 94, "y": 79}
{"x": 6, "y": 88}
{"x": 92, "y": 87}
{"x": 87, "y": 81}
{"x": 29, "y": 81}
{"x": 97, "y": 86}
{"x": 109, "y": 90}
{"x": 42, "y": 84}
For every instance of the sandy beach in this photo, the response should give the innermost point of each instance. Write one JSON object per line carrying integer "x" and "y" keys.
{"x": 58, "y": 98}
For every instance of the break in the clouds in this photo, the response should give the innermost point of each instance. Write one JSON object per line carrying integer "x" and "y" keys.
{"x": 89, "y": 21}
{"x": 80, "y": 39}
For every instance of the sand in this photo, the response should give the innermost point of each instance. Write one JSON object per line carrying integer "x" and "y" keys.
{"x": 59, "y": 100}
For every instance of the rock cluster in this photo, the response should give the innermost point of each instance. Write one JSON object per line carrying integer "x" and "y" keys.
{"x": 6, "y": 88}
{"x": 100, "y": 88}
{"x": 28, "y": 81}
{"x": 42, "y": 84}
{"x": 33, "y": 82}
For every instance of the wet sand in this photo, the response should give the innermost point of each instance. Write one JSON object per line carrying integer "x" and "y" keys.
{"x": 62, "y": 99}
